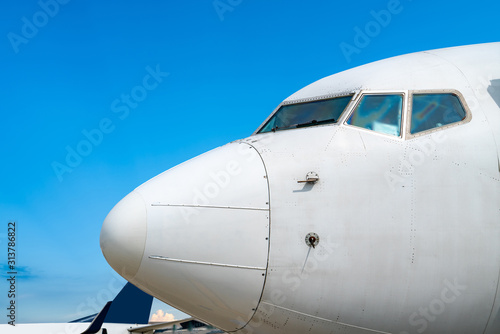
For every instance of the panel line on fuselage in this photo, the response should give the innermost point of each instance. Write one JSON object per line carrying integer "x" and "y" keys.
{"x": 158, "y": 257}
{"x": 211, "y": 206}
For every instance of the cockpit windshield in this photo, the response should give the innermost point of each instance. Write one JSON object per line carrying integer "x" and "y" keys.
{"x": 306, "y": 114}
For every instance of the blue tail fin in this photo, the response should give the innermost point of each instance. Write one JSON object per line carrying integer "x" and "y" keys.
{"x": 130, "y": 306}
{"x": 96, "y": 324}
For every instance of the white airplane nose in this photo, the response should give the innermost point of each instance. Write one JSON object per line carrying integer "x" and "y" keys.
{"x": 123, "y": 235}
{"x": 204, "y": 247}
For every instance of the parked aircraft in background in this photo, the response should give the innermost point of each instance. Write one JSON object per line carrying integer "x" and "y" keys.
{"x": 367, "y": 202}
{"x": 127, "y": 313}
{"x": 130, "y": 307}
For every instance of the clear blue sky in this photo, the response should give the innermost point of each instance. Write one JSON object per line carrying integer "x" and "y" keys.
{"x": 99, "y": 69}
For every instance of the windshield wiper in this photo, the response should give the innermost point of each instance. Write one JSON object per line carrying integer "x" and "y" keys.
{"x": 315, "y": 122}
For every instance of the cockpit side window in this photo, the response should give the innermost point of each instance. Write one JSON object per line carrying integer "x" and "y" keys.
{"x": 431, "y": 111}
{"x": 307, "y": 114}
{"x": 379, "y": 112}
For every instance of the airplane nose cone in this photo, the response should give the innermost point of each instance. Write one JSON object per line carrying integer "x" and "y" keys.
{"x": 204, "y": 248}
{"x": 123, "y": 235}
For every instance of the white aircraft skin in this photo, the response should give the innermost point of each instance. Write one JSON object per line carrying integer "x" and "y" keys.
{"x": 408, "y": 226}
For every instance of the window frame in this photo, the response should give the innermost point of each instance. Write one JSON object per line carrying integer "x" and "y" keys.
{"x": 406, "y": 116}
{"x": 467, "y": 119}
{"x": 353, "y": 95}
{"x": 356, "y": 101}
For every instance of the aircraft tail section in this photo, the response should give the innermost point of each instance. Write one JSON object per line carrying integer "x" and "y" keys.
{"x": 130, "y": 306}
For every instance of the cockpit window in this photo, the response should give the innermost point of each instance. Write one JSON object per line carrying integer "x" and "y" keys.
{"x": 379, "y": 112}
{"x": 435, "y": 110}
{"x": 305, "y": 114}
